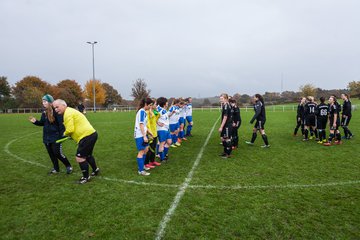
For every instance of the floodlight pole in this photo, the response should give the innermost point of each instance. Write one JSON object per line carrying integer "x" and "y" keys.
{"x": 93, "y": 67}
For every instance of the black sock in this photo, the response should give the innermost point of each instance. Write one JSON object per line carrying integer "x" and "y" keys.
{"x": 306, "y": 133}
{"x": 84, "y": 166}
{"x": 349, "y": 133}
{"x": 296, "y": 130}
{"x": 331, "y": 137}
{"x": 254, "y": 135}
{"x": 320, "y": 135}
{"x": 338, "y": 136}
{"x": 91, "y": 161}
{"x": 316, "y": 133}
{"x": 324, "y": 134}
{"x": 264, "y": 137}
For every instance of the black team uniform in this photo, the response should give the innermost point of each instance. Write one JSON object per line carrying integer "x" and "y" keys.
{"x": 226, "y": 132}
{"x": 260, "y": 117}
{"x": 310, "y": 119}
{"x": 299, "y": 119}
{"x": 345, "y": 118}
{"x": 334, "y": 109}
{"x": 235, "y": 111}
{"x": 322, "y": 112}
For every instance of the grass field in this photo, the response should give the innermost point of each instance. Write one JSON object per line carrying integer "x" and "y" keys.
{"x": 293, "y": 190}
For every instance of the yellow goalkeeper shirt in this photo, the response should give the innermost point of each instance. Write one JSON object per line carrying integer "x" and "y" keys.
{"x": 151, "y": 124}
{"x": 76, "y": 124}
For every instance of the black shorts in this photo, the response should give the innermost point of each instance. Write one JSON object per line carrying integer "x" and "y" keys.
{"x": 86, "y": 146}
{"x": 310, "y": 121}
{"x": 260, "y": 124}
{"x": 345, "y": 120}
{"x": 321, "y": 123}
{"x": 226, "y": 132}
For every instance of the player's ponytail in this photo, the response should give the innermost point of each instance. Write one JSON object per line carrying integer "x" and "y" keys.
{"x": 261, "y": 99}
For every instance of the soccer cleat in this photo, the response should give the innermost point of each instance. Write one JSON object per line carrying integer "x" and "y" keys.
{"x": 143, "y": 173}
{"x": 324, "y": 141}
{"x": 184, "y": 139}
{"x": 320, "y": 142}
{"x": 96, "y": 172}
{"x": 327, "y": 144}
{"x": 305, "y": 139}
{"x": 68, "y": 170}
{"x": 53, "y": 171}
{"x": 179, "y": 140}
{"x": 173, "y": 146}
{"x": 177, "y": 144}
{"x": 226, "y": 156}
{"x": 222, "y": 154}
{"x": 265, "y": 146}
{"x": 149, "y": 166}
{"x": 156, "y": 163}
{"x": 249, "y": 143}
{"x": 146, "y": 168}
{"x": 337, "y": 142}
{"x": 317, "y": 139}
{"x": 311, "y": 137}
{"x": 83, "y": 180}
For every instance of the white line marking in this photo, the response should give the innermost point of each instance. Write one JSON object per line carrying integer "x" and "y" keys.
{"x": 6, "y": 149}
{"x": 167, "y": 217}
{"x": 223, "y": 187}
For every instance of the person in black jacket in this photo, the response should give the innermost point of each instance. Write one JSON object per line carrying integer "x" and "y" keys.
{"x": 300, "y": 117}
{"x": 346, "y": 116}
{"x": 235, "y": 110}
{"x": 53, "y": 130}
{"x": 225, "y": 129}
{"x": 260, "y": 117}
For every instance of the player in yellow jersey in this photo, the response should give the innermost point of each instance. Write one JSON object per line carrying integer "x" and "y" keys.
{"x": 79, "y": 128}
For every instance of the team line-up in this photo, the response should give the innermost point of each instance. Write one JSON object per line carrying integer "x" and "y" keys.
{"x": 159, "y": 127}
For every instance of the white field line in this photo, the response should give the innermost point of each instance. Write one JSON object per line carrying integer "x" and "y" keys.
{"x": 219, "y": 187}
{"x": 6, "y": 149}
{"x": 167, "y": 217}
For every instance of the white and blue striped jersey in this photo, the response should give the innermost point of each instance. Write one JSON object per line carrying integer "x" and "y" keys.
{"x": 183, "y": 111}
{"x": 164, "y": 119}
{"x": 141, "y": 118}
{"x": 174, "y": 113}
{"x": 189, "y": 109}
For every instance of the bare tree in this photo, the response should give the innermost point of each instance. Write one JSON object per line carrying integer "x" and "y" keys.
{"x": 139, "y": 90}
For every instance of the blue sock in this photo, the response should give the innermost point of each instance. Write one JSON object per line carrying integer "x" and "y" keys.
{"x": 188, "y": 129}
{"x": 166, "y": 150}
{"x": 161, "y": 156}
{"x": 157, "y": 148}
{"x": 140, "y": 162}
{"x": 181, "y": 134}
{"x": 173, "y": 138}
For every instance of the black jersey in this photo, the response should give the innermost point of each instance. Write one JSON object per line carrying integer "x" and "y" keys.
{"x": 260, "y": 114}
{"x": 309, "y": 109}
{"x": 236, "y": 116}
{"x": 346, "y": 109}
{"x": 333, "y": 109}
{"x": 300, "y": 111}
{"x": 322, "y": 110}
{"x": 226, "y": 111}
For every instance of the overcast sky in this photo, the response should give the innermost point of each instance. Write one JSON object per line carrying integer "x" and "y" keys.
{"x": 197, "y": 48}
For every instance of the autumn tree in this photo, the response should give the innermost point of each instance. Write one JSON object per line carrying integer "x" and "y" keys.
{"x": 4, "y": 87}
{"x": 112, "y": 95}
{"x": 100, "y": 93}
{"x": 6, "y": 101}
{"x": 29, "y": 91}
{"x": 354, "y": 88}
{"x": 70, "y": 91}
{"x": 307, "y": 90}
{"x": 139, "y": 90}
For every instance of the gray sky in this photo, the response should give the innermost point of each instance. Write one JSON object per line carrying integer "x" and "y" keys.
{"x": 196, "y": 48}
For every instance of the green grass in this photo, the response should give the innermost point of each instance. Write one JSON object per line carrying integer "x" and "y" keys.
{"x": 257, "y": 194}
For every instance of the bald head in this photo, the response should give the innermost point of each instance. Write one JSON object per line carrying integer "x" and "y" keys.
{"x": 60, "y": 106}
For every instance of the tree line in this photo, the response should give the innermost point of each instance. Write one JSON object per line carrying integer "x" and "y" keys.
{"x": 27, "y": 93}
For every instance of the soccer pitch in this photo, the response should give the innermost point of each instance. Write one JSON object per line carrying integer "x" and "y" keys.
{"x": 293, "y": 190}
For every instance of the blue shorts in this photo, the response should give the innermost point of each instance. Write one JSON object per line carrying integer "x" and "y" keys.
{"x": 163, "y": 135}
{"x": 140, "y": 144}
{"x": 181, "y": 120}
{"x": 189, "y": 119}
{"x": 174, "y": 127}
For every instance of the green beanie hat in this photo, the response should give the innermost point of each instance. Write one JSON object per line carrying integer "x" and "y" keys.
{"x": 48, "y": 98}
